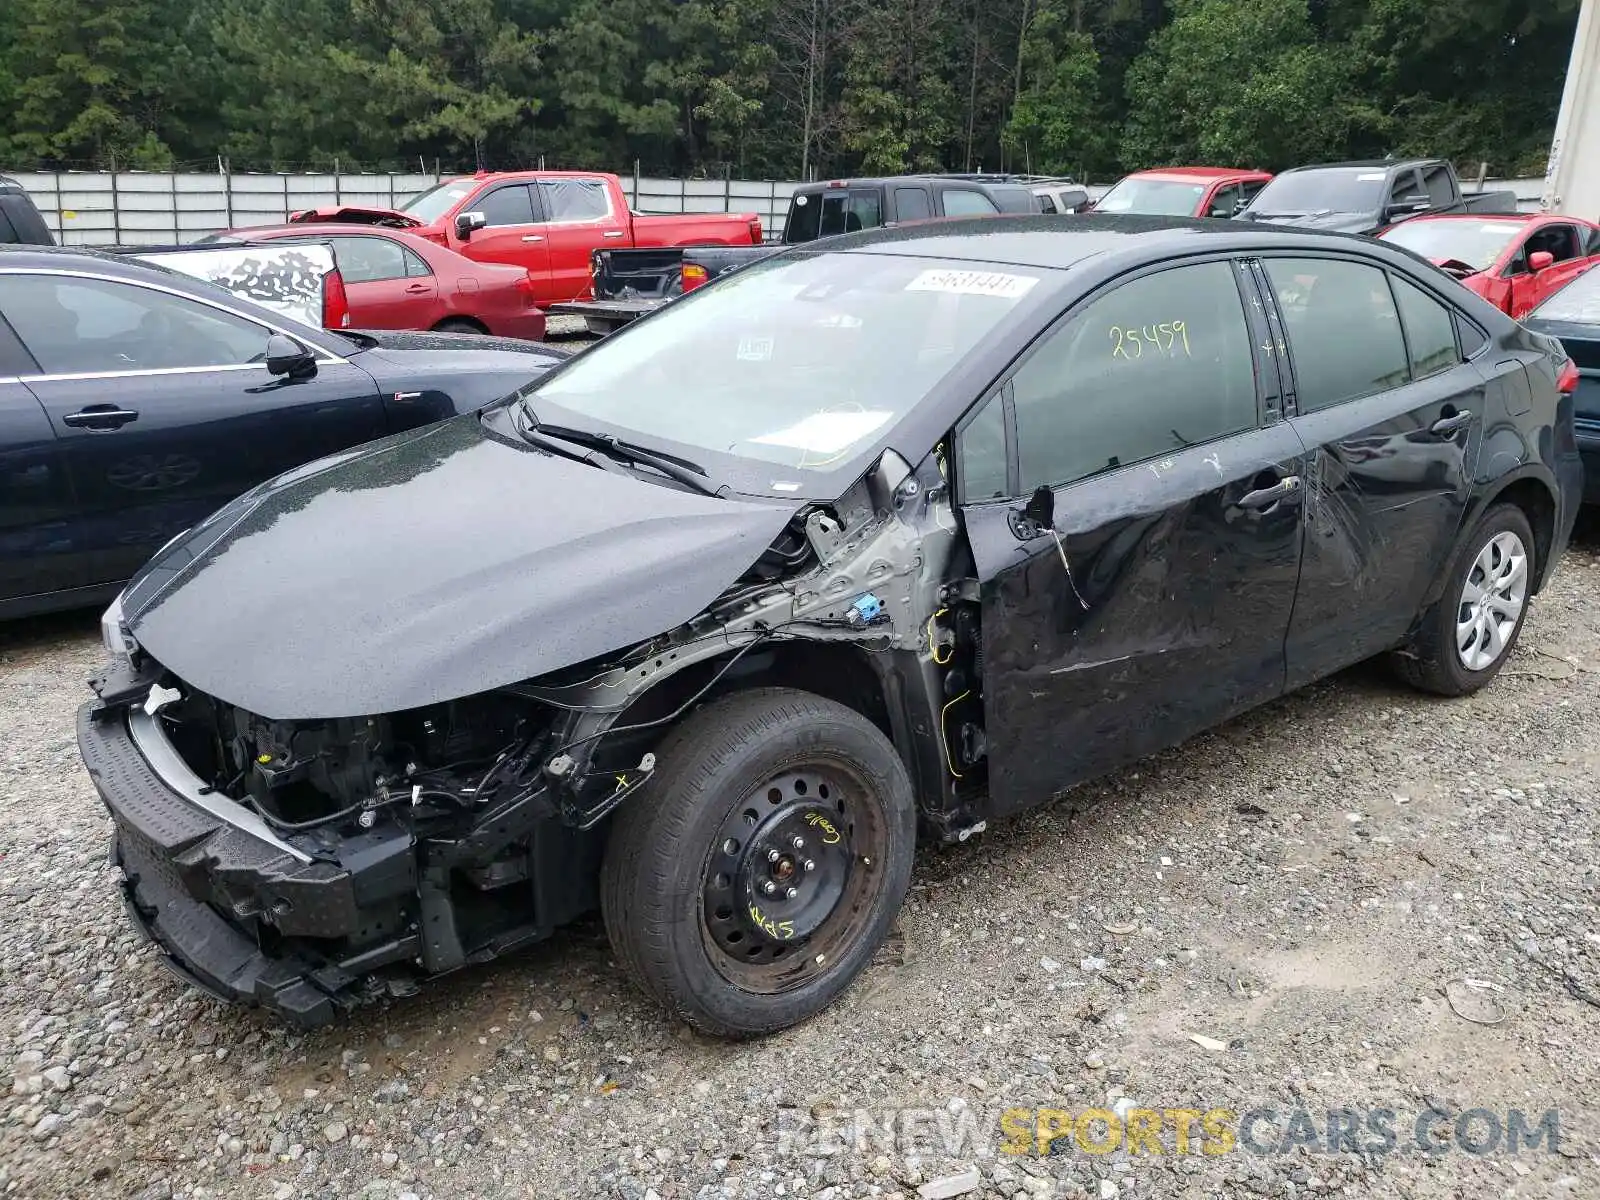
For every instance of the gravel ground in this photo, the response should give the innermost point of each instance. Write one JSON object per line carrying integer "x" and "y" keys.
{"x": 1309, "y": 889}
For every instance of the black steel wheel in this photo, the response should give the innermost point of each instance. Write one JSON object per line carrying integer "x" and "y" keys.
{"x": 753, "y": 879}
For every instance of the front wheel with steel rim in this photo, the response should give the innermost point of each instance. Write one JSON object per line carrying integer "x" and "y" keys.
{"x": 751, "y": 881}
{"x": 1465, "y": 638}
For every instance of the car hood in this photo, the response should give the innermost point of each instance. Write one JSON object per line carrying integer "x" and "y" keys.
{"x": 429, "y": 566}
{"x": 1340, "y": 222}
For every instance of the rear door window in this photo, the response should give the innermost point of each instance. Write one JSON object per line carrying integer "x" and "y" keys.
{"x": 1437, "y": 183}
{"x": 369, "y": 259}
{"x": 963, "y": 202}
{"x": 911, "y": 204}
{"x": 1430, "y": 330}
{"x": 1344, "y": 330}
{"x": 573, "y": 200}
{"x": 1161, "y": 363}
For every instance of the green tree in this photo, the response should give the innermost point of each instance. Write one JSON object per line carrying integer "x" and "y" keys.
{"x": 1054, "y": 124}
{"x": 89, "y": 82}
{"x": 1240, "y": 82}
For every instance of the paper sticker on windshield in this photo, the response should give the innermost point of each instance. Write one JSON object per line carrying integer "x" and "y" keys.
{"x": 973, "y": 283}
{"x": 827, "y": 432}
{"x": 1370, "y": 176}
{"x": 755, "y": 349}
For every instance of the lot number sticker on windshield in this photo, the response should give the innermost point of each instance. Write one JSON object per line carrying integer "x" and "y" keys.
{"x": 827, "y": 432}
{"x": 973, "y": 283}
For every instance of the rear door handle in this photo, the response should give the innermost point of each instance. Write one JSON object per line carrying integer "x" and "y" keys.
{"x": 1266, "y": 497}
{"x": 613, "y": 233}
{"x": 1445, "y": 426}
{"x": 533, "y": 237}
{"x": 100, "y": 416}
{"x": 417, "y": 288}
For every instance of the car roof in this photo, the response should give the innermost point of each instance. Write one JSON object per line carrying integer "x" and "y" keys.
{"x": 1048, "y": 241}
{"x": 84, "y": 258}
{"x": 1196, "y": 173}
{"x": 1363, "y": 164}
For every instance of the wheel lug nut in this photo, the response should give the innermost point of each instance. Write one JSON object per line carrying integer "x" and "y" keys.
{"x": 773, "y": 856}
{"x": 810, "y": 866}
{"x": 791, "y": 893}
{"x": 799, "y": 843}
{"x": 770, "y": 888}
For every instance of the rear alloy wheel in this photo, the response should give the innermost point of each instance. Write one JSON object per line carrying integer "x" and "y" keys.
{"x": 752, "y": 880}
{"x": 1465, "y": 638}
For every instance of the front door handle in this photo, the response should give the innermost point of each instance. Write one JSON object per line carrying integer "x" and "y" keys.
{"x": 533, "y": 237}
{"x": 1266, "y": 497}
{"x": 100, "y": 416}
{"x": 612, "y": 233}
{"x": 417, "y": 289}
{"x": 1451, "y": 423}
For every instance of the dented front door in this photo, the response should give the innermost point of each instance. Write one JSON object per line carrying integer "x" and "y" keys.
{"x": 1144, "y": 592}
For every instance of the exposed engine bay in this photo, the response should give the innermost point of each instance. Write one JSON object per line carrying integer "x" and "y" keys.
{"x": 418, "y": 841}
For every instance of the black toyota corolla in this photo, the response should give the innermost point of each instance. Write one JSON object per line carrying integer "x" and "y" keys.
{"x": 886, "y": 537}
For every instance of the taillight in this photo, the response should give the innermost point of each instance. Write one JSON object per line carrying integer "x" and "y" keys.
{"x": 335, "y": 303}
{"x": 755, "y": 231}
{"x": 1567, "y": 378}
{"x": 693, "y": 276}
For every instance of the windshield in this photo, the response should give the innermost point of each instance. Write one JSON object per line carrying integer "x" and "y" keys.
{"x": 1579, "y": 302}
{"x": 1155, "y": 197}
{"x": 1476, "y": 243}
{"x": 801, "y": 362}
{"x": 432, "y": 204}
{"x": 1297, "y": 193}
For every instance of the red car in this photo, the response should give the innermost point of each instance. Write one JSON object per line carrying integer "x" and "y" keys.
{"x": 548, "y": 222}
{"x": 1513, "y": 261}
{"x": 396, "y": 280}
{"x": 1184, "y": 192}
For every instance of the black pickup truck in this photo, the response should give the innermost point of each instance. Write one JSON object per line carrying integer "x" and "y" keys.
{"x": 1364, "y": 197}
{"x": 21, "y": 224}
{"x": 629, "y": 283}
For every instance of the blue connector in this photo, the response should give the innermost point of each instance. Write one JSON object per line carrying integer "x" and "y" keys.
{"x": 866, "y": 610}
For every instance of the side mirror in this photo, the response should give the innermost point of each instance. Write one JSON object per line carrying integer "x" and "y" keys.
{"x": 1407, "y": 206}
{"x": 289, "y": 358}
{"x": 468, "y": 223}
{"x": 1037, "y": 517}
{"x": 1539, "y": 260}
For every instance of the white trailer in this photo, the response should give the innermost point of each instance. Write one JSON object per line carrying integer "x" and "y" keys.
{"x": 1572, "y": 176}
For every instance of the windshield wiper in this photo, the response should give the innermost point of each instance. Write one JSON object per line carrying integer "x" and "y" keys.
{"x": 691, "y": 475}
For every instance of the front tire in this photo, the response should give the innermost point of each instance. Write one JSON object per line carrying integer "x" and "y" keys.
{"x": 1466, "y": 637}
{"x": 752, "y": 880}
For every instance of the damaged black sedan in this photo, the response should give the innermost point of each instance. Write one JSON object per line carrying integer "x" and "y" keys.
{"x": 875, "y": 540}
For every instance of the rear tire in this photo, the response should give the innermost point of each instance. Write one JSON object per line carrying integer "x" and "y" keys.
{"x": 750, "y": 882}
{"x": 1466, "y": 637}
{"x": 455, "y": 325}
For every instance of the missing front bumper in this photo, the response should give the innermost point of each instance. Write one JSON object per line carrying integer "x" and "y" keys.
{"x": 187, "y": 870}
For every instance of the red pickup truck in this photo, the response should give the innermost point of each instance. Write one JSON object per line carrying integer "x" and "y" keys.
{"x": 546, "y": 222}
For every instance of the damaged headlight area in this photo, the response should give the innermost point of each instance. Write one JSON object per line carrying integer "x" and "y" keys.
{"x": 312, "y": 865}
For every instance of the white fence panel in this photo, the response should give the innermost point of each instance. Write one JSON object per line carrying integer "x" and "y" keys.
{"x": 144, "y": 207}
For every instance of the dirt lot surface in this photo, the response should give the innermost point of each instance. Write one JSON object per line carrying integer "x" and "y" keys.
{"x": 1360, "y": 899}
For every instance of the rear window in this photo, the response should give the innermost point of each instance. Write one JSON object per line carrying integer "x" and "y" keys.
{"x": 832, "y": 212}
